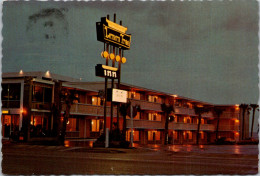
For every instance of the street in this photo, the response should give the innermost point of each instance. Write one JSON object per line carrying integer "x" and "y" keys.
{"x": 38, "y": 159}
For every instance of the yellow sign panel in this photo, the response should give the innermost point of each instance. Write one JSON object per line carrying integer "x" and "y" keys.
{"x": 5, "y": 111}
{"x": 115, "y": 26}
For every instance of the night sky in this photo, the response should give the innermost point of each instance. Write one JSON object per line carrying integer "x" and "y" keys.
{"x": 202, "y": 50}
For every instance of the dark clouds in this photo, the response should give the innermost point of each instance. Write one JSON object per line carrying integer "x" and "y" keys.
{"x": 202, "y": 50}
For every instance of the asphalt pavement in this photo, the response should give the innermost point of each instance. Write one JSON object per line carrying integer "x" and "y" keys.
{"x": 152, "y": 160}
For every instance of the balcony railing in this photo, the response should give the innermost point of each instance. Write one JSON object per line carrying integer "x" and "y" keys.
{"x": 190, "y": 112}
{"x": 10, "y": 103}
{"x": 185, "y": 111}
{"x": 229, "y": 128}
{"x": 230, "y": 115}
{"x": 145, "y": 124}
{"x": 191, "y": 126}
{"x": 72, "y": 134}
{"x": 146, "y": 105}
{"x": 41, "y": 106}
{"x": 88, "y": 109}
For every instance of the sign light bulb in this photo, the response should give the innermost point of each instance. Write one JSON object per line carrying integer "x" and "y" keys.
{"x": 118, "y": 58}
{"x": 123, "y": 60}
{"x": 112, "y": 56}
{"x": 104, "y": 54}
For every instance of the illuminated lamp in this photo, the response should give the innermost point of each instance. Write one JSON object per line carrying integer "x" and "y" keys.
{"x": 123, "y": 60}
{"x": 5, "y": 112}
{"x": 47, "y": 73}
{"x": 237, "y": 133}
{"x": 104, "y": 54}
{"x": 112, "y": 56}
{"x": 21, "y": 72}
{"x": 237, "y": 121}
{"x": 23, "y": 111}
{"x": 68, "y": 122}
{"x": 118, "y": 58}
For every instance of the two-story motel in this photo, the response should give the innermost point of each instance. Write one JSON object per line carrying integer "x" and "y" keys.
{"x": 28, "y": 98}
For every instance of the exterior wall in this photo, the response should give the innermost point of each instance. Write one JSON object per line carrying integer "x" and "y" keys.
{"x": 149, "y": 124}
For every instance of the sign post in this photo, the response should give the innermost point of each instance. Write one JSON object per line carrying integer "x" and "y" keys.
{"x": 111, "y": 33}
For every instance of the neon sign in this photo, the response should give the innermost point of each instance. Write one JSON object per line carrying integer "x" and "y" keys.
{"x": 112, "y": 33}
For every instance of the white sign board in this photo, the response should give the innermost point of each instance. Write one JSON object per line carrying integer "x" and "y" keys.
{"x": 119, "y": 96}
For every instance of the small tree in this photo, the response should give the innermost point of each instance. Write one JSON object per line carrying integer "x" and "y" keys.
{"x": 245, "y": 108}
{"x": 218, "y": 111}
{"x": 67, "y": 97}
{"x": 167, "y": 109}
{"x": 123, "y": 111}
{"x": 254, "y": 107}
{"x": 199, "y": 110}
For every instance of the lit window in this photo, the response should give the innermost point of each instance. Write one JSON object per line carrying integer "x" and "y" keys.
{"x": 190, "y": 135}
{"x": 95, "y": 125}
{"x": 154, "y": 135}
{"x": 201, "y": 135}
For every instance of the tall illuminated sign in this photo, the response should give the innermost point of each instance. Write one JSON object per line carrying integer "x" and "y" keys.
{"x": 112, "y": 33}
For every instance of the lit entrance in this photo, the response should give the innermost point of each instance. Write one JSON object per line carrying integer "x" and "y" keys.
{"x": 10, "y": 125}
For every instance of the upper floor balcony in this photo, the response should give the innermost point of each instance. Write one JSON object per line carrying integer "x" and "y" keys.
{"x": 191, "y": 112}
{"x": 146, "y": 105}
{"x": 88, "y": 109}
{"x": 191, "y": 126}
{"x": 229, "y": 128}
{"x": 41, "y": 106}
{"x": 148, "y": 124}
{"x": 10, "y": 103}
{"x": 145, "y": 124}
{"x": 230, "y": 115}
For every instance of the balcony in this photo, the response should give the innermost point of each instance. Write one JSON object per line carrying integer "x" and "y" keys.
{"x": 146, "y": 105}
{"x": 145, "y": 124}
{"x": 229, "y": 128}
{"x": 41, "y": 106}
{"x": 88, "y": 109}
{"x": 184, "y": 111}
{"x": 72, "y": 134}
{"x": 10, "y": 103}
{"x": 191, "y": 126}
{"x": 190, "y": 112}
{"x": 230, "y": 115}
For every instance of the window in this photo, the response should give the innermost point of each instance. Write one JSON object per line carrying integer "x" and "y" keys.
{"x": 154, "y": 135}
{"x": 135, "y": 135}
{"x": 96, "y": 101}
{"x": 190, "y": 135}
{"x": 175, "y": 134}
{"x": 154, "y": 117}
{"x": 71, "y": 124}
{"x": 42, "y": 94}
{"x": 152, "y": 98}
{"x": 11, "y": 95}
{"x": 175, "y": 118}
{"x": 201, "y": 135}
{"x": 95, "y": 125}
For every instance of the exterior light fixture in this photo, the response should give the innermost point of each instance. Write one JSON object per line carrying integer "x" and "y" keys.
{"x": 21, "y": 72}
{"x": 118, "y": 58}
{"x": 237, "y": 121}
{"x": 47, "y": 73}
{"x": 123, "y": 60}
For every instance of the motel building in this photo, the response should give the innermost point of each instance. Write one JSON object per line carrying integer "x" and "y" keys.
{"x": 27, "y": 112}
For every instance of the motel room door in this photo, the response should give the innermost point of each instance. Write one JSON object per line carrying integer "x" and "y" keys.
{"x": 10, "y": 124}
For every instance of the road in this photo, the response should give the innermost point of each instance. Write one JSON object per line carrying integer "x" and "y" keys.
{"x": 37, "y": 159}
